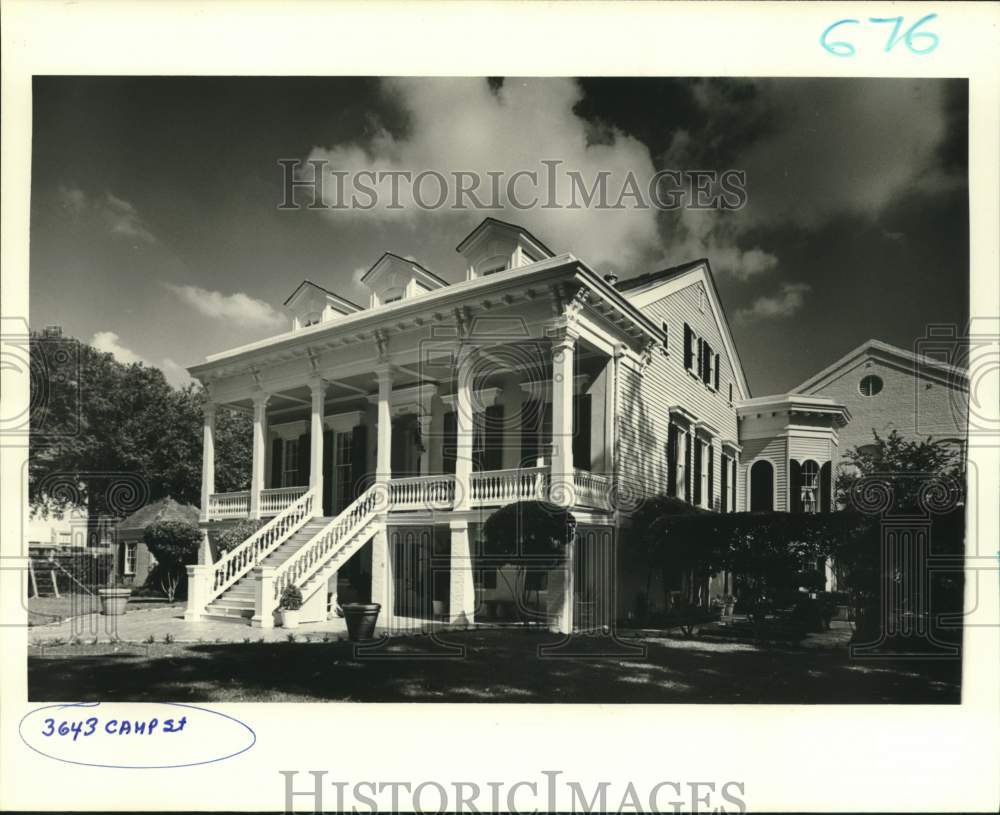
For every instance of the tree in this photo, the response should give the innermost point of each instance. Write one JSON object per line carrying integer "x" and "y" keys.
{"x": 111, "y": 437}
{"x": 175, "y": 545}
{"x": 898, "y": 478}
{"x": 528, "y": 535}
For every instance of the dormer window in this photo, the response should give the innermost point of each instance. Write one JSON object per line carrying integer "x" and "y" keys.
{"x": 493, "y": 266}
{"x": 392, "y": 296}
{"x": 393, "y": 278}
{"x": 311, "y": 305}
{"x": 312, "y": 318}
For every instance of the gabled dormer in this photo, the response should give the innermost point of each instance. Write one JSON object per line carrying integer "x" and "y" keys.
{"x": 394, "y": 278}
{"x": 310, "y": 305}
{"x": 496, "y": 246}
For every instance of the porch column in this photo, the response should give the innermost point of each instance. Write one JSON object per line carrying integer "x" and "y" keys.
{"x": 318, "y": 389}
{"x": 382, "y": 582}
{"x": 207, "y": 457}
{"x": 462, "y": 589}
{"x": 561, "y": 490}
{"x": 383, "y": 452}
{"x": 257, "y": 465}
{"x": 464, "y": 429}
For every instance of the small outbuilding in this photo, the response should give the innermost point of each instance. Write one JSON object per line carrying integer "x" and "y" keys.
{"x": 133, "y": 560}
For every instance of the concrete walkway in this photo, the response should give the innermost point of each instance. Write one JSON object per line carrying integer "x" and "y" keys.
{"x": 140, "y": 624}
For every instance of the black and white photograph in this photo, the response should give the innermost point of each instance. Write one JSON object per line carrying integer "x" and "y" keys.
{"x": 640, "y": 390}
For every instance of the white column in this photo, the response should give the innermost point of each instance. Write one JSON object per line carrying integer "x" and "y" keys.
{"x": 257, "y": 466}
{"x": 318, "y": 389}
{"x": 462, "y": 589}
{"x": 464, "y": 428}
{"x": 207, "y": 458}
{"x": 560, "y": 593}
{"x": 264, "y": 600}
{"x": 382, "y": 584}
{"x": 682, "y": 440}
{"x": 383, "y": 451}
{"x": 199, "y": 580}
{"x": 562, "y": 420}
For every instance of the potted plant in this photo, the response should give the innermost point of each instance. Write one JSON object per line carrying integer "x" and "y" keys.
{"x": 728, "y": 605}
{"x": 113, "y": 600}
{"x": 361, "y": 619}
{"x": 291, "y": 602}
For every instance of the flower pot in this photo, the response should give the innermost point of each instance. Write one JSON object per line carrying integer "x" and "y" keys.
{"x": 361, "y": 619}
{"x": 727, "y": 610}
{"x": 113, "y": 601}
{"x": 289, "y": 618}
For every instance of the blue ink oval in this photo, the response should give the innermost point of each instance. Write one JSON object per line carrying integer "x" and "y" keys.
{"x": 139, "y": 736}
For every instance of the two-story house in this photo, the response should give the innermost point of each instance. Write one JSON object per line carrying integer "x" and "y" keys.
{"x": 384, "y": 436}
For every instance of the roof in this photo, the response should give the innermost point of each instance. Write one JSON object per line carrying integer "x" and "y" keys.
{"x": 490, "y": 220}
{"x": 323, "y": 289}
{"x": 953, "y": 375}
{"x": 166, "y": 509}
{"x": 422, "y": 268}
{"x": 795, "y": 403}
{"x": 662, "y": 275}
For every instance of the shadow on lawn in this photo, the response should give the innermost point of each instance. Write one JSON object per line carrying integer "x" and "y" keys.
{"x": 497, "y": 667}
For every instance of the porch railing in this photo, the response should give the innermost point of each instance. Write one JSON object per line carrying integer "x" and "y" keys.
{"x": 591, "y": 490}
{"x": 237, "y": 563}
{"x": 224, "y": 505}
{"x": 278, "y": 500}
{"x": 505, "y": 486}
{"x": 422, "y": 492}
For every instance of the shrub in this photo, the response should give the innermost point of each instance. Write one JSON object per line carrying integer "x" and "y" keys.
{"x": 175, "y": 545}
{"x": 235, "y": 535}
{"x": 291, "y": 598}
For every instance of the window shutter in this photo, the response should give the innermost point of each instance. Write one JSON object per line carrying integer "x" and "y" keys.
{"x": 698, "y": 464}
{"x": 359, "y": 459}
{"x": 701, "y": 357}
{"x": 688, "y": 343}
{"x": 450, "y": 441}
{"x": 711, "y": 475}
{"x": 666, "y": 335}
{"x": 581, "y": 431}
{"x": 687, "y": 468}
{"x": 824, "y": 487}
{"x": 724, "y": 486}
{"x": 716, "y": 371}
{"x": 672, "y": 460}
{"x": 795, "y": 485}
{"x": 494, "y": 438}
{"x": 303, "y": 479}
{"x": 277, "y": 448}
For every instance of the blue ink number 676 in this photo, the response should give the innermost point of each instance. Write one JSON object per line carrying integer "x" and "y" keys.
{"x": 918, "y": 42}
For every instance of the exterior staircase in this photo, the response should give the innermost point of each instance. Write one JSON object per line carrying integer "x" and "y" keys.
{"x": 237, "y": 602}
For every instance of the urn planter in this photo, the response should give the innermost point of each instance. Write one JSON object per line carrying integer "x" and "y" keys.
{"x": 113, "y": 601}
{"x": 289, "y": 618}
{"x": 361, "y": 619}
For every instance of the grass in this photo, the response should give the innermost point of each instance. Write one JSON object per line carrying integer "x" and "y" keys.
{"x": 486, "y": 666}
{"x": 46, "y": 610}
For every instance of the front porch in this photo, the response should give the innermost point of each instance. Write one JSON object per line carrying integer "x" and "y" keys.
{"x": 491, "y": 488}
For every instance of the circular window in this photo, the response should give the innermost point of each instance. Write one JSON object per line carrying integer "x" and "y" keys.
{"x": 870, "y": 385}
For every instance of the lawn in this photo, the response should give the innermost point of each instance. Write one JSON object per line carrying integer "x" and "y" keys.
{"x": 486, "y": 666}
{"x": 45, "y": 610}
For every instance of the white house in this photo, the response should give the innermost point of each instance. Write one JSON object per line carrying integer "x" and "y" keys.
{"x": 385, "y": 436}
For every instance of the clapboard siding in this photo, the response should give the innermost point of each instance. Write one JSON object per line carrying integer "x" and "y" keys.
{"x": 646, "y": 397}
{"x": 819, "y": 450}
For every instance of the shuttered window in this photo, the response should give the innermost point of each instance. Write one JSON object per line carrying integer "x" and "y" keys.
{"x": 688, "y": 347}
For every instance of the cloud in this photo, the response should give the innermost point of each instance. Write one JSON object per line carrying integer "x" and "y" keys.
{"x": 813, "y": 151}
{"x": 175, "y": 373}
{"x": 790, "y": 298}
{"x": 465, "y": 125}
{"x": 238, "y": 307}
{"x": 110, "y": 343}
{"x": 114, "y": 214}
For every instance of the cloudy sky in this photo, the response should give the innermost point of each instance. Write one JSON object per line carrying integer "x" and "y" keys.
{"x": 156, "y": 233}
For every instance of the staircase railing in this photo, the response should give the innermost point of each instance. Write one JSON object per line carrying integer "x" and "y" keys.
{"x": 324, "y": 544}
{"x": 237, "y": 563}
